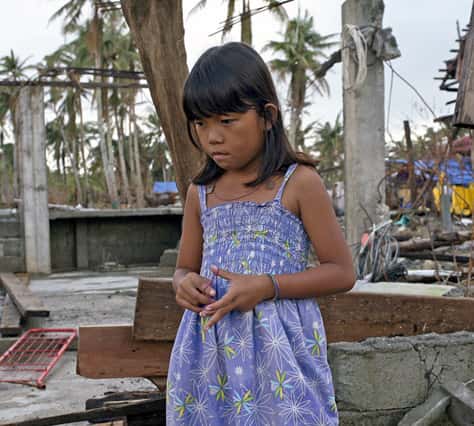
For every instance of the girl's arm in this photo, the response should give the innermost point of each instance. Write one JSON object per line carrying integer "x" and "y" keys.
{"x": 335, "y": 273}
{"x": 191, "y": 289}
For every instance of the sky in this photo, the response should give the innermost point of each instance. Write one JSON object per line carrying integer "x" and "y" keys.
{"x": 425, "y": 31}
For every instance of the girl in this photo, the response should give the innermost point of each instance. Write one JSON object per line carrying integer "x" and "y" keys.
{"x": 251, "y": 346}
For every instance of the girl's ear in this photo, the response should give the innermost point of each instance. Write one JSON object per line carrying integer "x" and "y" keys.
{"x": 270, "y": 112}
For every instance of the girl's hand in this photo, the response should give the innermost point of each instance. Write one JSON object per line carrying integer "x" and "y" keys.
{"x": 245, "y": 292}
{"x": 193, "y": 291}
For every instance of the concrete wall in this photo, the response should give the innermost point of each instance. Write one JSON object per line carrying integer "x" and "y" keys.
{"x": 377, "y": 381}
{"x": 89, "y": 240}
{"x": 12, "y": 249}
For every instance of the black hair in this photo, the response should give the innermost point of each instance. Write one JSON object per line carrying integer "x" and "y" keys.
{"x": 234, "y": 78}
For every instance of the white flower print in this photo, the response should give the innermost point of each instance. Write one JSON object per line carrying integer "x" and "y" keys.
{"x": 297, "y": 410}
{"x": 275, "y": 344}
{"x": 244, "y": 343}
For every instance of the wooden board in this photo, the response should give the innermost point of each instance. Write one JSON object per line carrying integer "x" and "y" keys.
{"x": 140, "y": 408}
{"x": 353, "y": 317}
{"x": 464, "y": 109}
{"x": 157, "y": 314}
{"x": 10, "y": 324}
{"x": 110, "y": 352}
{"x": 347, "y": 317}
{"x": 28, "y": 304}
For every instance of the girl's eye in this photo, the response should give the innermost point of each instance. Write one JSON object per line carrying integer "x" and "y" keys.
{"x": 198, "y": 123}
{"x": 227, "y": 120}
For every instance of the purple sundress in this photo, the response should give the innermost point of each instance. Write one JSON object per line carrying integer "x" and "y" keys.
{"x": 267, "y": 366}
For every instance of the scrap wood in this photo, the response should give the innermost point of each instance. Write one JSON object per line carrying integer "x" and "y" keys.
{"x": 429, "y": 255}
{"x": 140, "y": 408}
{"x": 159, "y": 323}
{"x": 427, "y": 243}
{"x": 111, "y": 352}
{"x": 368, "y": 314}
{"x": 27, "y": 303}
{"x": 10, "y": 323}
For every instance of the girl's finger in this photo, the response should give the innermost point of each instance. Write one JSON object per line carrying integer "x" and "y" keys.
{"x": 186, "y": 305}
{"x": 218, "y": 316}
{"x": 193, "y": 296}
{"x": 226, "y": 300}
{"x": 227, "y": 275}
{"x": 206, "y": 288}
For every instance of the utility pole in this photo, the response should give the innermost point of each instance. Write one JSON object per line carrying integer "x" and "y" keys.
{"x": 364, "y": 143}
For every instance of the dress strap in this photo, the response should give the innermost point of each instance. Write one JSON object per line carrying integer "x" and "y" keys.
{"x": 288, "y": 174}
{"x": 202, "y": 190}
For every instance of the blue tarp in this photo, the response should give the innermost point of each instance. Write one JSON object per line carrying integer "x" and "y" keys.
{"x": 162, "y": 187}
{"x": 459, "y": 172}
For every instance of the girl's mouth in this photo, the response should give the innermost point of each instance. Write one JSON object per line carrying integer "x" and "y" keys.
{"x": 217, "y": 156}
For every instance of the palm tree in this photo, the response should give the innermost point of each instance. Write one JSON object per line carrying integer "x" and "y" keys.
{"x": 300, "y": 53}
{"x": 71, "y": 12}
{"x": 245, "y": 16}
{"x": 330, "y": 147}
{"x": 13, "y": 68}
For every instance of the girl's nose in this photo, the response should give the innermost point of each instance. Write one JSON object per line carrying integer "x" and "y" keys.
{"x": 215, "y": 136}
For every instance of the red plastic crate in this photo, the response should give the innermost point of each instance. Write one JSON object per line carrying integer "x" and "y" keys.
{"x": 34, "y": 354}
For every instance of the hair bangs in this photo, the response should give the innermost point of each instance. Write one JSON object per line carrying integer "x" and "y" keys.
{"x": 212, "y": 89}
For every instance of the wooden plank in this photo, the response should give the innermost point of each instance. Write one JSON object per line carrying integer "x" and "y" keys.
{"x": 464, "y": 110}
{"x": 27, "y": 303}
{"x": 351, "y": 316}
{"x": 10, "y": 324}
{"x": 98, "y": 413}
{"x": 156, "y": 311}
{"x": 110, "y": 352}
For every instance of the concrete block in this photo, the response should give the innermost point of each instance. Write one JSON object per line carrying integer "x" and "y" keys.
{"x": 397, "y": 373}
{"x": 9, "y": 228}
{"x": 446, "y": 357}
{"x": 377, "y": 374}
{"x": 381, "y": 418}
{"x": 12, "y": 247}
{"x": 12, "y": 264}
{"x": 168, "y": 258}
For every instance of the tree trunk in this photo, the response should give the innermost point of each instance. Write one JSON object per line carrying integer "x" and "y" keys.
{"x": 123, "y": 166}
{"x": 158, "y": 32}
{"x": 71, "y": 152}
{"x": 87, "y": 189}
{"x": 136, "y": 156}
{"x": 298, "y": 91}
{"x": 246, "y": 23}
{"x": 106, "y": 161}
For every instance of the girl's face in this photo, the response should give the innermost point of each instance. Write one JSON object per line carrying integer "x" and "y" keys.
{"x": 233, "y": 140}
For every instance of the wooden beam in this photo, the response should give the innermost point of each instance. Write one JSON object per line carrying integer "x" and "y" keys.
{"x": 347, "y": 316}
{"x": 351, "y": 317}
{"x": 464, "y": 110}
{"x": 28, "y": 304}
{"x": 98, "y": 413}
{"x": 10, "y": 324}
{"x": 157, "y": 323}
{"x": 110, "y": 352}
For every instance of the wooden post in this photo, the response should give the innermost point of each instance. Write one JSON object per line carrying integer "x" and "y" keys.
{"x": 464, "y": 110}
{"x": 33, "y": 179}
{"x": 411, "y": 163}
{"x": 364, "y": 142}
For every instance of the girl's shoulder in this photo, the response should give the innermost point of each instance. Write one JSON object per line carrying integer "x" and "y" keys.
{"x": 304, "y": 178}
